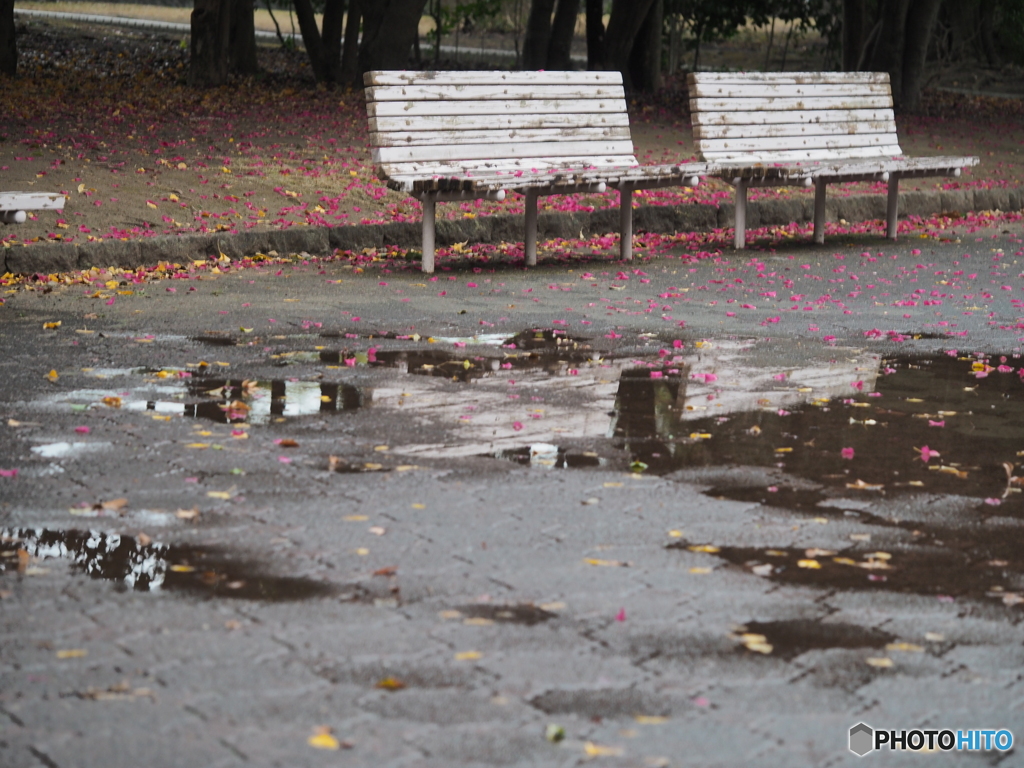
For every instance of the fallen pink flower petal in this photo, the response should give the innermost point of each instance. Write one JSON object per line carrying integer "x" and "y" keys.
{"x": 621, "y": 615}
{"x": 993, "y": 502}
{"x": 82, "y": 430}
{"x": 847, "y": 453}
{"x": 8, "y": 473}
{"x": 936, "y": 423}
{"x": 517, "y": 425}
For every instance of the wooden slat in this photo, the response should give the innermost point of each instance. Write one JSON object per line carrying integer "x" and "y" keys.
{"x": 862, "y": 153}
{"x": 793, "y": 129}
{"x": 384, "y": 155}
{"x": 543, "y": 135}
{"x": 498, "y": 122}
{"x": 761, "y": 117}
{"x": 864, "y": 166}
{"x": 788, "y": 77}
{"x": 530, "y": 107}
{"x": 31, "y": 201}
{"x": 491, "y": 78}
{"x": 488, "y": 167}
{"x": 775, "y": 105}
{"x": 491, "y": 93}
{"x": 855, "y": 141}
{"x": 780, "y": 91}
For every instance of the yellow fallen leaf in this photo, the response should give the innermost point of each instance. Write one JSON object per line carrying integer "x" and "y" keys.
{"x": 419, "y": 506}
{"x": 860, "y": 485}
{"x": 478, "y": 622}
{"x": 675, "y": 534}
{"x": 468, "y": 655}
{"x": 650, "y": 719}
{"x": 182, "y": 568}
{"x": 595, "y": 750}
{"x": 390, "y": 684}
{"x": 51, "y": 326}
{"x": 224, "y": 495}
{"x": 187, "y": 514}
{"x": 700, "y": 570}
{"x": 700, "y": 435}
{"x": 52, "y": 376}
{"x": 198, "y": 445}
{"x": 880, "y": 661}
{"x": 595, "y": 561}
{"x": 380, "y": 448}
{"x": 112, "y": 402}
{"x": 901, "y": 646}
{"x": 72, "y": 653}
{"x": 158, "y": 417}
{"x": 613, "y": 485}
{"x": 709, "y": 548}
{"x": 362, "y": 551}
{"x": 450, "y": 614}
{"x": 323, "y": 740}
{"x": 814, "y": 564}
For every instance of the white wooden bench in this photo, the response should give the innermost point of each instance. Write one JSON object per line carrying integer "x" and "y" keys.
{"x": 14, "y": 204}
{"x": 813, "y": 128}
{"x": 442, "y": 136}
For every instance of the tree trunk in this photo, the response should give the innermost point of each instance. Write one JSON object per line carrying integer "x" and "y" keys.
{"x": 330, "y": 33}
{"x": 350, "y": 55}
{"x": 389, "y": 28}
{"x": 562, "y": 32}
{"x": 242, "y": 53}
{"x": 595, "y": 34}
{"x": 645, "y": 61}
{"x": 888, "y": 53}
{"x": 987, "y": 36}
{"x": 211, "y": 36}
{"x": 855, "y": 27}
{"x": 8, "y": 39}
{"x": 538, "y": 34}
{"x": 311, "y": 38}
{"x": 625, "y": 22}
{"x": 920, "y": 25}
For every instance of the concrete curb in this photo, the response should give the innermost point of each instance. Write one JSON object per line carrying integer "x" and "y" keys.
{"x": 320, "y": 241}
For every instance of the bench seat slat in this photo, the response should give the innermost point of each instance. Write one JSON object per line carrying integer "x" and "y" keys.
{"x": 841, "y": 143}
{"x": 797, "y": 156}
{"x": 510, "y": 167}
{"x": 786, "y": 90}
{"x": 762, "y": 117}
{"x": 861, "y": 166}
{"x": 794, "y": 77}
{"x": 490, "y": 93}
{"x": 793, "y": 130}
{"x": 498, "y": 122}
{"x": 31, "y": 201}
{"x": 537, "y": 106}
{"x": 508, "y": 150}
{"x": 493, "y": 78}
{"x": 524, "y": 138}
{"x": 778, "y": 105}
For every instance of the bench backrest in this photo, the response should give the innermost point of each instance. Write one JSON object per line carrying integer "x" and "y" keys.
{"x": 775, "y": 117}
{"x": 425, "y": 124}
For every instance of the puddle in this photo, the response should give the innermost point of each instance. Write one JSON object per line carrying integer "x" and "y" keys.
{"x": 152, "y": 567}
{"x": 969, "y": 563}
{"x": 794, "y": 637}
{"x": 519, "y": 613}
{"x": 550, "y": 456}
{"x": 214, "y": 339}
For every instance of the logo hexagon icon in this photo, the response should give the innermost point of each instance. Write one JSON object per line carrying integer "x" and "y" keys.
{"x": 862, "y": 739}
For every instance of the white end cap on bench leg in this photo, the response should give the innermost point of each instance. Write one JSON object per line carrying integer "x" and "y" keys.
{"x": 957, "y": 172}
{"x": 884, "y": 176}
{"x": 808, "y": 182}
{"x": 602, "y": 187}
{"x": 693, "y": 181}
{"x": 13, "y": 217}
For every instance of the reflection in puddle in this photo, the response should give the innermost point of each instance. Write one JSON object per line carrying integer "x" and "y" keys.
{"x": 550, "y": 456}
{"x": 789, "y": 639}
{"x": 152, "y": 567}
{"x": 519, "y": 613}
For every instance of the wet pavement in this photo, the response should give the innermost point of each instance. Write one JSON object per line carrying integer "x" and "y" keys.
{"x": 676, "y": 512}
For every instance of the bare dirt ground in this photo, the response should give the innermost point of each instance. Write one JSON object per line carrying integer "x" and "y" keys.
{"x": 103, "y": 115}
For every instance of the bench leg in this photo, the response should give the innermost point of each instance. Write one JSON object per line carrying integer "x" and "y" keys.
{"x": 12, "y": 217}
{"x": 819, "y": 211}
{"x": 530, "y": 243}
{"x": 740, "y": 239}
{"x": 893, "y": 206}
{"x": 429, "y": 204}
{"x": 626, "y": 223}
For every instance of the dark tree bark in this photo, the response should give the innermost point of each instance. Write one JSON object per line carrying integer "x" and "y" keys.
{"x": 8, "y": 40}
{"x": 563, "y": 29}
{"x": 645, "y": 60}
{"x": 538, "y": 34}
{"x": 595, "y": 34}
{"x": 625, "y": 22}
{"x": 389, "y": 29}
{"x": 855, "y": 30}
{"x": 334, "y": 17}
{"x": 920, "y": 24}
{"x": 901, "y": 48}
{"x": 311, "y": 39}
{"x": 350, "y": 55}
{"x": 211, "y": 36}
{"x": 242, "y": 54}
